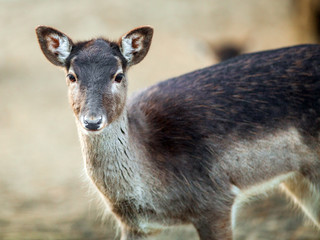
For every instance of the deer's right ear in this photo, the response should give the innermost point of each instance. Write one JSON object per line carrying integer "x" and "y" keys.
{"x": 55, "y": 45}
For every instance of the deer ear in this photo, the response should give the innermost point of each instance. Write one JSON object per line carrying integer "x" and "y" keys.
{"x": 55, "y": 45}
{"x": 135, "y": 44}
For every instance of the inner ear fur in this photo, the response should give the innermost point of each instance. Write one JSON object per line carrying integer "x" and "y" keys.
{"x": 55, "y": 45}
{"x": 135, "y": 44}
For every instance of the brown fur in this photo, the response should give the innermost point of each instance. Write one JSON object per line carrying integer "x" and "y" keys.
{"x": 191, "y": 148}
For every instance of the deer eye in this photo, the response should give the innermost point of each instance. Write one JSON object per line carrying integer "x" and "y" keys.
{"x": 71, "y": 77}
{"x": 119, "y": 77}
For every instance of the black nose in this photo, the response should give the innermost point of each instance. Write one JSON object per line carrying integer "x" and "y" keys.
{"x": 92, "y": 123}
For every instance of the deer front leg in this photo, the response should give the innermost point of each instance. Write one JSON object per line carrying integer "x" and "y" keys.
{"x": 215, "y": 224}
{"x": 214, "y": 227}
{"x": 131, "y": 234}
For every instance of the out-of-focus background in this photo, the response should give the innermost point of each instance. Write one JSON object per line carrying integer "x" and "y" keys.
{"x": 42, "y": 191}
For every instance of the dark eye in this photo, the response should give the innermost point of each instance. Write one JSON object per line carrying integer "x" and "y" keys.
{"x": 71, "y": 77}
{"x": 119, "y": 77}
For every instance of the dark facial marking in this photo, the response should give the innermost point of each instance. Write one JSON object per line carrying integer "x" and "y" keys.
{"x": 120, "y": 141}
{"x": 95, "y": 64}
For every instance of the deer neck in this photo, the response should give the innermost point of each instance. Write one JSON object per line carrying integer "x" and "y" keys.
{"x": 111, "y": 160}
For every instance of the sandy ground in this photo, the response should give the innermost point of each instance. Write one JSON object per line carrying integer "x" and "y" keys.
{"x": 43, "y": 194}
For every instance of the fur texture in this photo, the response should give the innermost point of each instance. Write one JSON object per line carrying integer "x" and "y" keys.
{"x": 192, "y": 148}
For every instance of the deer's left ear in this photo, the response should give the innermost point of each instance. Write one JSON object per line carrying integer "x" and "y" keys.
{"x": 55, "y": 45}
{"x": 135, "y": 44}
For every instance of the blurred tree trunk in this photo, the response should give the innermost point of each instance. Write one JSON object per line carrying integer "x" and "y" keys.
{"x": 306, "y": 14}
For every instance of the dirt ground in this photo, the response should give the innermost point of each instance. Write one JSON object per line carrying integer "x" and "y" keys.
{"x": 43, "y": 191}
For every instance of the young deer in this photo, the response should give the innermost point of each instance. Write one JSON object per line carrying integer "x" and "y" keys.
{"x": 190, "y": 149}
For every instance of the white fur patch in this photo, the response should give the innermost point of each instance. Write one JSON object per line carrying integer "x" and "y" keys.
{"x": 115, "y": 87}
{"x": 59, "y": 45}
{"x": 236, "y": 191}
{"x": 147, "y": 226}
{"x": 234, "y": 210}
{"x": 119, "y": 175}
{"x": 265, "y": 187}
{"x": 127, "y": 45}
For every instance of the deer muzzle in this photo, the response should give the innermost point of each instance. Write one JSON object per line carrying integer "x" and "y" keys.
{"x": 93, "y": 122}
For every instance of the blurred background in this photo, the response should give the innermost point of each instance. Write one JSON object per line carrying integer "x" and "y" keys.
{"x": 43, "y": 194}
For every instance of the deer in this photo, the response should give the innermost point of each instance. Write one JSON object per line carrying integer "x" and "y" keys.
{"x": 192, "y": 149}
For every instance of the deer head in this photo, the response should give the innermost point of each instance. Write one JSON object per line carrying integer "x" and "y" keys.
{"x": 96, "y": 71}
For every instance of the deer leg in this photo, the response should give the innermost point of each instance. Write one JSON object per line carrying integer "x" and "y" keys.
{"x": 128, "y": 233}
{"x": 306, "y": 194}
{"x": 214, "y": 228}
{"x": 131, "y": 234}
{"x": 216, "y": 224}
